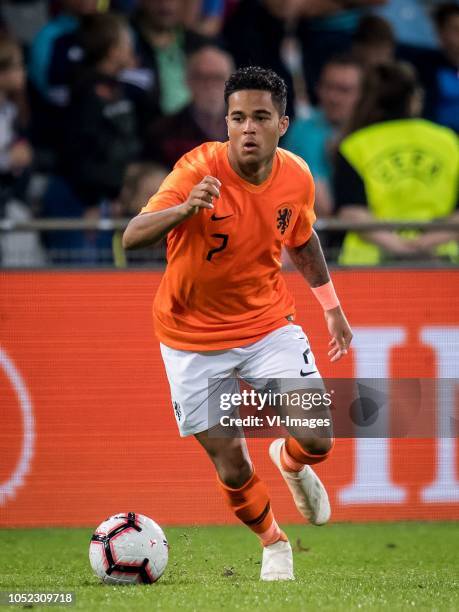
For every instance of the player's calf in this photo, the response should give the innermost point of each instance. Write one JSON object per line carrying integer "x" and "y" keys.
{"x": 245, "y": 493}
{"x": 298, "y": 452}
{"x": 234, "y": 475}
{"x": 251, "y": 504}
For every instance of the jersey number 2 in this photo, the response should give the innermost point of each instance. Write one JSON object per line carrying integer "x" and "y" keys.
{"x": 224, "y": 239}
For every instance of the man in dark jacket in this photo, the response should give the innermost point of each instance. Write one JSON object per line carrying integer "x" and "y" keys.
{"x": 100, "y": 140}
{"x": 103, "y": 131}
{"x": 203, "y": 119}
{"x": 54, "y": 59}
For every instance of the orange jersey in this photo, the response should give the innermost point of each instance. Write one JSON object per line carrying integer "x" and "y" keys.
{"x": 223, "y": 286}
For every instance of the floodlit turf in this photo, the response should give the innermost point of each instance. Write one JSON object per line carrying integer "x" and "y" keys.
{"x": 397, "y": 566}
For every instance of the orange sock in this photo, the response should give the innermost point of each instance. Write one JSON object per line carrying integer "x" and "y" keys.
{"x": 294, "y": 457}
{"x": 251, "y": 505}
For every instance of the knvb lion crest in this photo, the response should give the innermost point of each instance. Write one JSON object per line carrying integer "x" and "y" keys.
{"x": 283, "y": 219}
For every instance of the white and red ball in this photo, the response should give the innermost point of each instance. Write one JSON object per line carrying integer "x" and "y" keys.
{"x": 128, "y": 548}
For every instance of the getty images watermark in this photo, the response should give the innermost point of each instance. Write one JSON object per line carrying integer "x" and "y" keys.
{"x": 305, "y": 400}
{"x": 342, "y": 408}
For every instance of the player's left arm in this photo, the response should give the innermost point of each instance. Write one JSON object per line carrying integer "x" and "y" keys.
{"x": 310, "y": 261}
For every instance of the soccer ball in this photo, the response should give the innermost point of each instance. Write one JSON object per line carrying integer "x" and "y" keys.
{"x": 128, "y": 548}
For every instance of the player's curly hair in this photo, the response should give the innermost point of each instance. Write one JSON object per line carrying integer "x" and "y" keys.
{"x": 262, "y": 79}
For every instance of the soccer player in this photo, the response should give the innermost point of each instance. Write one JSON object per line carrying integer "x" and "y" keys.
{"x": 222, "y": 308}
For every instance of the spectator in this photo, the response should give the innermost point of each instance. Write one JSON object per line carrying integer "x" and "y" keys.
{"x": 327, "y": 29}
{"x": 315, "y": 139}
{"x": 102, "y": 135}
{"x": 324, "y": 28}
{"x": 141, "y": 181}
{"x": 163, "y": 43}
{"x": 393, "y": 166}
{"x": 54, "y": 57}
{"x": 439, "y": 69}
{"x": 264, "y": 44}
{"x": 25, "y": 18}
{"x": 16, "y": 158}
{"x": 374, "y": 41}
{"x": 15, "y": 151}
{"x": 56, "y": 50}
{"x": 204, "y": 118}
{"x": 411, "y": 22}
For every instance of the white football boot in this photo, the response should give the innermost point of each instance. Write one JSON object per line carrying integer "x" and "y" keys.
{"x": 308, "y": 492}
{"x": 277, "y": 562}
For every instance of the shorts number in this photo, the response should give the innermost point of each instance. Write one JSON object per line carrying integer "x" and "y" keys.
{"x": 224, "y": 239}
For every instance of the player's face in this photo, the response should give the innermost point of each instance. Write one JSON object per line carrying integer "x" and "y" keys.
{"x": 254, "y": 126}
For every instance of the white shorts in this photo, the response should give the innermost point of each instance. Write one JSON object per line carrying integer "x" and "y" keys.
{"x": 283, "y": 354}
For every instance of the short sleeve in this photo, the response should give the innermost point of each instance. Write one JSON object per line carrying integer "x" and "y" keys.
{"x": 302, "y": 230}
{"x": 174, "y": 189}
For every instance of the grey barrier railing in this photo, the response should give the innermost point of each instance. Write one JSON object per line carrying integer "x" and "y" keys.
{"x": 24, "y": 243}
{"x": 333, "y": 225}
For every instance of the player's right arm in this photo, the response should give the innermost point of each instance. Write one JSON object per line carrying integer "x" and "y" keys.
{"x": 148, "y": 228}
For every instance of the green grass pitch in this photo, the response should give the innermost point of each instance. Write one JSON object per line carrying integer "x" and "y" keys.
{"x": 391, "y": 566}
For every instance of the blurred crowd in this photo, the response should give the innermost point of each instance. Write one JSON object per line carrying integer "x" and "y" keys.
{"x": 100, "y": 98}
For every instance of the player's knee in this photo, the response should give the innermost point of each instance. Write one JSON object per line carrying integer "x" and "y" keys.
{"x": 317, "y": 446}
{"x": 235, "y": 472}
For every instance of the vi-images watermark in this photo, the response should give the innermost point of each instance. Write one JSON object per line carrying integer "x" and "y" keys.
{"x": 258, "y": 401}
{"x": 351, "y": 407}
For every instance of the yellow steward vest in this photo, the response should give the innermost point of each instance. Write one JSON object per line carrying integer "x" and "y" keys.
{"x": 410, "y": 169}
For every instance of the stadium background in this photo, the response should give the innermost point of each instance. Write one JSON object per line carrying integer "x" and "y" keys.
{"x": 92, "y": 430}
{"x": 86, "y": 423}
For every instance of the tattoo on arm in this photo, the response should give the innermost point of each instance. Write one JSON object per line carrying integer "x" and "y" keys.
{"x": 310, "y": 261}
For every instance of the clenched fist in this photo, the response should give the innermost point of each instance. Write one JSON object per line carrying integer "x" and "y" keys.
{"x": 202, "y": 195}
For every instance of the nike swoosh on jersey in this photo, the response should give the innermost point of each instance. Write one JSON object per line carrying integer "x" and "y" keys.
{"x": 215, "y": 218}
{"x": 307, "y": 373}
